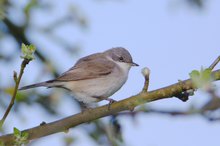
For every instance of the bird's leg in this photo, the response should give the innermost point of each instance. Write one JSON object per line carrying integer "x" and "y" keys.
{"x": 110, "y": 102}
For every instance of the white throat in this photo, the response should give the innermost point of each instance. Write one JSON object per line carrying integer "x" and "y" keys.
{"x": 125, "y": 67}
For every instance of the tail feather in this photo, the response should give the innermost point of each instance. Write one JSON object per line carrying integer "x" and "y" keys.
{"x": 50, "y": 83}
{"x": 34, "y": 86}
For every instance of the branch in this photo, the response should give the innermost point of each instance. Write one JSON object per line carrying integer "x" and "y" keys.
{"x": 17, "y": 81}
{"x": 103, "y": 111}
{"x": 28, "y": 56}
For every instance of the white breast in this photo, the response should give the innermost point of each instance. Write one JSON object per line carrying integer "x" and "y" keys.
{"x": 125, "y": 67}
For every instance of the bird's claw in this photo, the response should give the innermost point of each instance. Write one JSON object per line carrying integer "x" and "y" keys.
{"x": 110, "y": 102}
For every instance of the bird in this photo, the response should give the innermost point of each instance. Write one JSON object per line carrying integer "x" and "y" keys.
{"x": 95, "y": 77}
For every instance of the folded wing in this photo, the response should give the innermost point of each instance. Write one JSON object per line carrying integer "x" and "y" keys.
{"x": 87, "y": 68}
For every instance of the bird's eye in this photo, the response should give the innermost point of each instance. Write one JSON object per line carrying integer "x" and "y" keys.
{"x": 121, "y": 58}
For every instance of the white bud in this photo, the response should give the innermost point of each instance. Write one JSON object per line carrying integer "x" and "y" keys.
{"x": 145, "y": 71}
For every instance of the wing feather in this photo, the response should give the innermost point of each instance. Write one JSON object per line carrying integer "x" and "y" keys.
{"x": 87, "y": 68}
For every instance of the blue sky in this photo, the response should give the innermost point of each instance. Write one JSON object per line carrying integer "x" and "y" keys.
{"x": 168, "y": 37}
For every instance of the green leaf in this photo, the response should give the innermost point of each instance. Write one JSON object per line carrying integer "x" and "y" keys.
{"x": 21, "y": 138}
{"x": 17, "y": 133}
{"x": 206, "y": 74}
{"x": 194, "y": 73}
{"x": 28, "y": 51}
{"x": 24, "y": 135}
{"x": 202, "y": 78}
{"x": 195, "y": 76}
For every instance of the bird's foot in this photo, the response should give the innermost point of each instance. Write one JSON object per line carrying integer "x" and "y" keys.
{"x": 110, "y": 102}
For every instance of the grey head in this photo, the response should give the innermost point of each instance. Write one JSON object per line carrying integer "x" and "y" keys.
{"x": 120, "y": 54}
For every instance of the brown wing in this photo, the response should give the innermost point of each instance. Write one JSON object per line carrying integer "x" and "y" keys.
{"x": 87, "y": 68}
{"x": 86, "y": 58}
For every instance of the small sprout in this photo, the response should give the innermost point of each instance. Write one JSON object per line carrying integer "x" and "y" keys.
{"x": 202, "y": 78}
{"x": 17, "y": 133}
{"x": 145, "y": 71}
{"x": 21, "y": 138}
{"x": 28, "y": 51}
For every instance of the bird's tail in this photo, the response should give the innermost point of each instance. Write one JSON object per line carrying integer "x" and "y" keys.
{"x": 45, "y": 84}
{"x": 33, "y": 86}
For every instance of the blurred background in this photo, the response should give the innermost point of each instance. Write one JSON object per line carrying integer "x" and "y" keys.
{"x": 171, "y": 37}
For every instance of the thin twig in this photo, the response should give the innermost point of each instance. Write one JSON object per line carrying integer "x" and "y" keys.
{"x": 146, "y": 74}
{"x": 17, "y": 81}
{"x": 217, "y": 60}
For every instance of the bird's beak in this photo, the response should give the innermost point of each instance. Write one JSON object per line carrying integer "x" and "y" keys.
{"x": 134, "y": 64}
